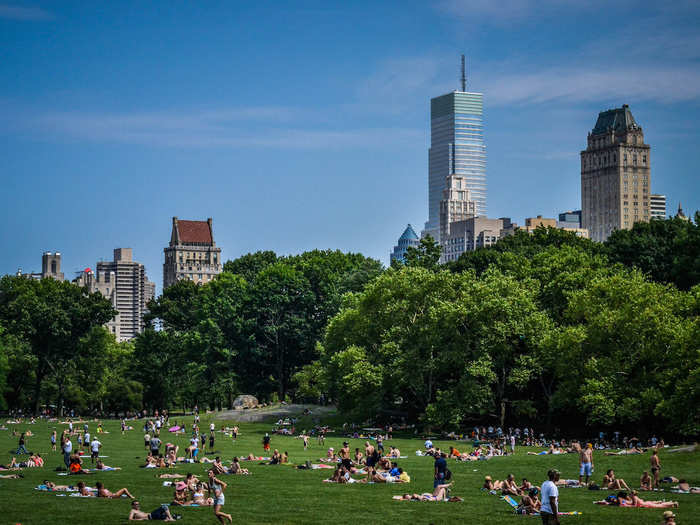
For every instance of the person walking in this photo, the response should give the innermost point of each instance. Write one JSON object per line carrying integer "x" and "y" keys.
{"x": 21, "y": 448}
{"x": 95, "y": 447}
{"x": 216, "y": 491}
{"x": 440, "y": 469}
{"x": 586, "y": 463}
{"x": 53, "y": 441}
{"x": 550, "y": 499}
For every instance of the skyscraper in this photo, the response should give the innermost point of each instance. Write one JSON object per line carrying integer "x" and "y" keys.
{"x": 192, "y": 253}
{"x": 615, "y": 175}
{"x": 456, "y": 148}
{"x": 408, "y": 238}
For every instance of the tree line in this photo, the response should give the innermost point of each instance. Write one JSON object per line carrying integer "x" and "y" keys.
{"x": 544, "y": 327}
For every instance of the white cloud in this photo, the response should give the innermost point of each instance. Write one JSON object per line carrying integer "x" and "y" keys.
{"x": 231, "y": 128}
{"x": 13, "y": 12}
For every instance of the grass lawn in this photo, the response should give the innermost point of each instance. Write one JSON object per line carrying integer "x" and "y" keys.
{"x": 282, "y": 494}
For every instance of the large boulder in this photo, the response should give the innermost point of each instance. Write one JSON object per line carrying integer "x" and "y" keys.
{"x": 245, "y": 401}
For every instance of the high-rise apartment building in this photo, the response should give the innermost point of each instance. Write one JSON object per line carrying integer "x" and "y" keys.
{"x": 615, "y": 175}
{"x": 569, "y": 219}
{"x": 456, "y": 148}
{"x": 408, "y": 238}
{"x": 657, "y": 206}
{"x": 124, "y": 283}
{"x": 192, "y": 253}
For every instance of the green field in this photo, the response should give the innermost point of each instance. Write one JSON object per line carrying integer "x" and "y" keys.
{"x": 282, "y": 494}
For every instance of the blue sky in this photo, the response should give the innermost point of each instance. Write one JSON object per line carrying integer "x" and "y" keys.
{"x": 301, "y": 125}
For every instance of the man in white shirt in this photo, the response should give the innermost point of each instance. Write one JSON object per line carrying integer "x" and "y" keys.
{"x": 95, "y": 449}
{"x": 67, "y": 450}
{"x": 550, "y": 499}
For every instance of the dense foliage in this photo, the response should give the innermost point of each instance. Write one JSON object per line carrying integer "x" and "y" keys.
{"x": 542, "y": 328}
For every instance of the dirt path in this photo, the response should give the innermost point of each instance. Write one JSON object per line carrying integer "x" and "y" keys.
{"x": 277, "y": 411}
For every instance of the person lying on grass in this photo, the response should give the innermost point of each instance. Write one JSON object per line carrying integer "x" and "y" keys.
{"x": 85, "y": 491}
{"x": 161, "y": 513}
{"x": 11, "y": 476}
{"x": 51, "y": 486}
{"x": 684, "y": 486}
{"x": 171, "y": 476}
{"x": 627, "y": 452}
{"x": 439, "y": 494}
{"x": 101, "y": 466}
{"x": 102, "y": 492}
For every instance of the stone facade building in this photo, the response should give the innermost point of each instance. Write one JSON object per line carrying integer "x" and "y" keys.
{"x": 124, "y": 283}
{"x": 192, "y": 253}
{"x": 50, "y": 267}
{"x": 456, "y": 204}
{"x": 470, "y": 234}
{"x": 615, "y": 175}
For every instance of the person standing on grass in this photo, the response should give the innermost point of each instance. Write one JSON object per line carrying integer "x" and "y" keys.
{"x": 550, "y": 499}
{"x": 53, "y": 441}
{"x": 266, "y": 442}
{"x": 155, "y": 445}
{"x": 123, "y": 426}
{"x": 655, "y": 467}
{"x": 305, "y": 439}
{"x": 440, "y": 469}
{"x": 512, "y": 443}
{"x": 211, "y": 440}
{"x": 67, "y": 448}
{"x": 95, "y": 447}
{"x": 586, "y": 463}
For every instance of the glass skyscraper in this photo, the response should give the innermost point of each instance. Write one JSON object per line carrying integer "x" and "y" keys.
{"x": 456, "y": 148}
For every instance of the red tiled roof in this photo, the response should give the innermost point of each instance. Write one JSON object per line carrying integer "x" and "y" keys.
{"x": 194, "y": 231}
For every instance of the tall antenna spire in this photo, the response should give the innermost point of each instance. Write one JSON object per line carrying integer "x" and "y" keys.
{"x": 464, "y": 76}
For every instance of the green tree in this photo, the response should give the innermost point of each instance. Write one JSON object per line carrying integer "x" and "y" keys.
{"x": 250, "y": 265}
{"x": 425, "y": 255}
{"x": 52, "y": 317}
{"x": 666, "y": 250}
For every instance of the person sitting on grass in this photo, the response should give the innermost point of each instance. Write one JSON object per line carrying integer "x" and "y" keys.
{"x": 285, "y": 457}
{"x": 491, "y": 485}
{"x": 218, "y": 467}
{"x": 198, "y": 497}
{"x": 180, "y": 496}
{"x": 76, "y": 465}
{"x": 645, "y": 481}
{"x": 276, "y": 458}
{"x": 236, "y": 467}
{"x": 394, "y": 452}
{"x": 102, "y": 492}
{"x": 161, "y": 513}
{"x": 530, "y": 503}
{"x": 669, "y": 518}
{"x": 509, "y": 487}
{"x": 612, "y": 483}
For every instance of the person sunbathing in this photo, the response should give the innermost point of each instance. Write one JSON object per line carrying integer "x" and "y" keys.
{"x": 180, "y": 497}
{"x": 645, "y": 481}
{"x": 394, "y": 452}
{"x": 198, "y": 497}
{"x": 102, "y": 492}
{"x": 530, "y": 504}
{"x": 510, "y": 487}
{"x": 85, "y": 491}
{"x": 684, "y": 486}
{"x": 171, "y": 476}
{"x": 490, "y": 485}
{"x": 626, "y": 452}
{"x": 276, "y": 458}
{"x": 162, "y": 513}
{"x": 633, "y": 500}
{"x": 51, "y": 486}
{"x": 612, "y": 483}
{"x": 358, "y": 456}
{"x": 525, "y": 486}
{"x": 218, "y": 467}
{"x": 236, "y": 467}
{"x": 101, "y": 466}
{"x": 285, "y": 457}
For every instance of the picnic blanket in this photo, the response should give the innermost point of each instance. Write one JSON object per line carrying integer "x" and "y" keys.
{"x": 510, "y": 501}
{"x": 259, "y": 458}
{"x": 44, "y": 488}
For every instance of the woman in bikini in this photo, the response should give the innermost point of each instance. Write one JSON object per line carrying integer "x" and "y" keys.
{"x": 613, "y": 483}
{"x": 102, "y": 492}
{"x": 198, "y": 497}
